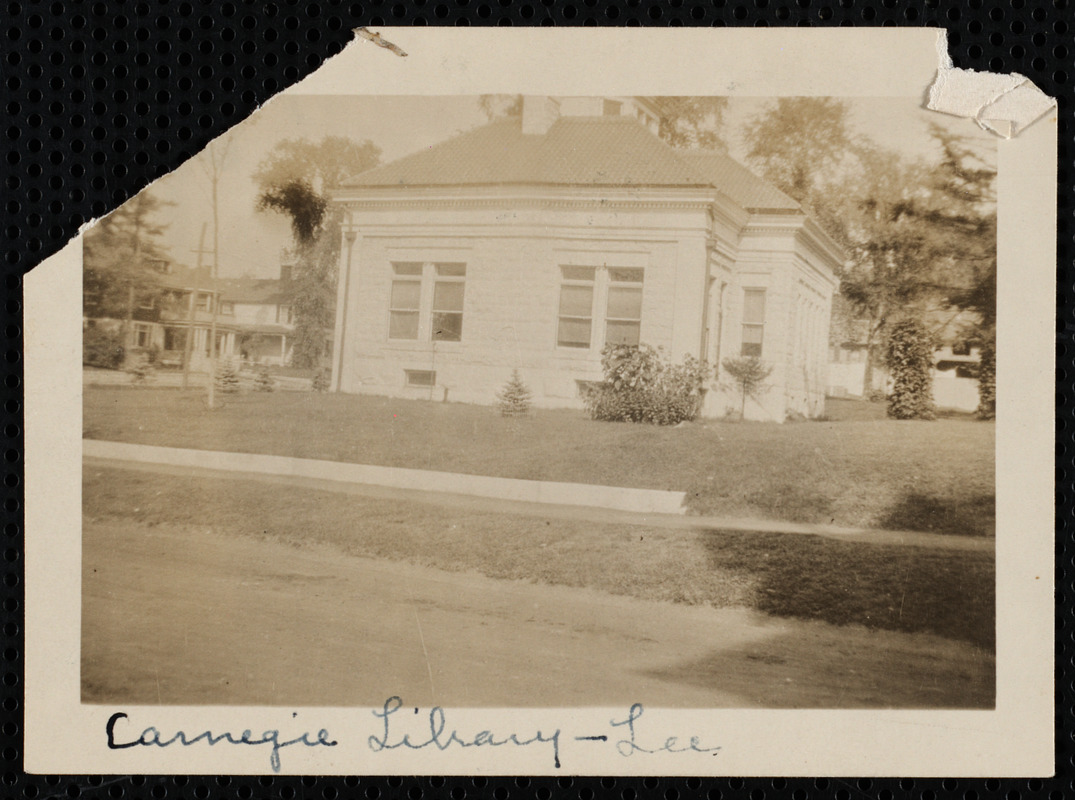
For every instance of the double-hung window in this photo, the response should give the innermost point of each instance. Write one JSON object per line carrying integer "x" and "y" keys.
{"x": 142, "y": 334}
{"x": 448, "y": 302}
{"x": 404, "y": 305}
{"x": 608, "y": 300}
{"x": 623, "y": 317}
{"x": 426, "y": 301}
{"x": 576, "y": 307}
{"x": 753, "y": 322}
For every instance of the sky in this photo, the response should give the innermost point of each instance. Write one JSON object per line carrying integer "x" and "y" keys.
{"x": 251, "y": 242}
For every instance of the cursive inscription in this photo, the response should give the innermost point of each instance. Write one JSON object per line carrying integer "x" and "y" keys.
{"x": 390, "y": 739}
{"x": 151, "y": 737}
{"x": 672, "y": 744}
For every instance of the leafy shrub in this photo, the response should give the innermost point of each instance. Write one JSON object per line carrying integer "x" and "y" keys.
{"x": 264, "y": 381}
{"x": 642, "y": 385}
{"x": 987, "y": 382}
{"x": 102, "y": 348}
{"x": 748, "y": 374}
{"x": 227, "y": 377}
{"x": 142, "y": 373}
{"x": 910, "y": 360}
{"x": 320, "y": 382}
{"x": 514, "y": 397}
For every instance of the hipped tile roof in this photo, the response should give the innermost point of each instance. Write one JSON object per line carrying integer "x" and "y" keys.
{"x": 575, "y": 151}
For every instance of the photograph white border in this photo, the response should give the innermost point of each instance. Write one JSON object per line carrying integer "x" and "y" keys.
{"x": 1015, "y": 739}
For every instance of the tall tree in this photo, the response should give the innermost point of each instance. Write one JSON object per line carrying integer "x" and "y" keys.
{"x": 120, "y": 254}
{"x": 692, "y": 121}
{"x": 800, "y": 143}
{"x": 961, "y": 212}
{"x": 892, "y": 272}
{"x": 295, "y": 180}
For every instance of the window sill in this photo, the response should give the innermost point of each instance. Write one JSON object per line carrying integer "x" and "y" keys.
{"x": 420, "y": 346}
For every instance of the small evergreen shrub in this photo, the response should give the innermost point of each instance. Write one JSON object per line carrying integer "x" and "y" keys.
{"x": 142, "y": 373}
{"x": 748, "y": 374}
{"x": 515, "y": 397}
{"x": 909, "y": 358}
{"x": 987, "y": 382}
{"x": 264, "y": 381}
{"x": 320, "y": 382}
{"x": 641, "y": 385}
{"x": 102, "y": 348}
{"x": 227, "y": 377}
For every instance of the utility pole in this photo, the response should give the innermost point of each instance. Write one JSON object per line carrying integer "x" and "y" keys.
{"x": 136, "y": 254}
{"x": 188, "y": 339}
{"x": 213, "y": 169}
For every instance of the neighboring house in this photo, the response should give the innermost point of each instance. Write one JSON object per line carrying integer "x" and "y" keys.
{"x": 253, "y": 320}
{"x": 955, "y": 378}
{"x": 955, "y": 372}
{"x": 531, "y": 243}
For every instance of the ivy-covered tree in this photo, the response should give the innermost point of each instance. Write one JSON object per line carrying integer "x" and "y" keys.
{"x": 910, "y": 363}
{"x": 295, "y": 179}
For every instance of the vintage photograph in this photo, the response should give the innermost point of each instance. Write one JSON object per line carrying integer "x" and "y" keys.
{"x": 514, "y": 400}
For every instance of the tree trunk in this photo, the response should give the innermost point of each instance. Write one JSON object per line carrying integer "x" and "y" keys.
{"x": 869, "y": 367}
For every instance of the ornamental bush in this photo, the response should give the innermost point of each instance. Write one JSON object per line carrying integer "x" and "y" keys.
{"x": 909, "y": 357}
{"x": 320, "y": 382}
{"x": 514, "y": 398}
{"x": 748, "y": 374}
{"x": 642, "y": 385}
{"x": 102, "y": 347}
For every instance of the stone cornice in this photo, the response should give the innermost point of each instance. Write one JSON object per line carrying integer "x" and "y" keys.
{"x": 614, "y": 197}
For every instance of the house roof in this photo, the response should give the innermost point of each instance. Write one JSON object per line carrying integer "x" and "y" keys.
{"x": 266, "y": 291}
{"x": 738, "y": 182}
{"x": 260, "y": 291}
{"x": 576, "y": 151}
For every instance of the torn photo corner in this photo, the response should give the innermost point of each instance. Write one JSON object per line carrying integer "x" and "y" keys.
{"x": 1003, "y": 104}
{"x": 536, "y": 403}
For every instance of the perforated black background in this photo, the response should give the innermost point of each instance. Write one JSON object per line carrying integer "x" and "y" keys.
{"x": 100, "y": 99}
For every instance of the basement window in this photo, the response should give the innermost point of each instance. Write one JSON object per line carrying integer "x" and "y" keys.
{"x": 423, "y": 378}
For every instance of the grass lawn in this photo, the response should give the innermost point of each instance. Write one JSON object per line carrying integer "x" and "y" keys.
{"x": 874, "y": 472}
{"x": 911, "y": 589}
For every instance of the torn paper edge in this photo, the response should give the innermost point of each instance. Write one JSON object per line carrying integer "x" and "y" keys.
{"x": 357, "y": 35}
{"x": 1001, "y": 104}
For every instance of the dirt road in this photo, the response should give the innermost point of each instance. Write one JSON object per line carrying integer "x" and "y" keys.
{"x": 175, "y": 615}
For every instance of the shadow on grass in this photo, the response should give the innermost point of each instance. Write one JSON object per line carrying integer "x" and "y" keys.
{"x": 792, "y": 502}
{"x": 803, "y": 667}
{"x": 969, "y": 516}
{"x": 901, "y": 588}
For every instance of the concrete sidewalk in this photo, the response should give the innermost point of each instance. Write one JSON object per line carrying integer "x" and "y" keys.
{"x": 571, "y": 494}
{"x": 599, "y": 504}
